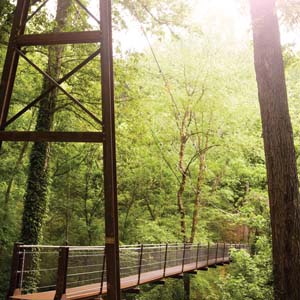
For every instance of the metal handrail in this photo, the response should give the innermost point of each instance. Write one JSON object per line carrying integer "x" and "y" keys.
{"x": 84, "y": 264}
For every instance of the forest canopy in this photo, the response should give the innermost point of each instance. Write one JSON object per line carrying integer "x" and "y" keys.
{"x": 190, "y": 156}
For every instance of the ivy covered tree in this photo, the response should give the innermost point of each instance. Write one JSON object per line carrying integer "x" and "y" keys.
{"x": 35, "y": 202}
{"x": 190, "y": 158}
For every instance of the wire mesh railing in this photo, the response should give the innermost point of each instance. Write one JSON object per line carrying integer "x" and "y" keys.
{"x": 36, "y": 268}
{"x": 85, "y": 266}
{"x": 70, "y": 269}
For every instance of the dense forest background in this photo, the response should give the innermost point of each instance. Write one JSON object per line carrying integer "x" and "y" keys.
{"x": 188, "y": 140}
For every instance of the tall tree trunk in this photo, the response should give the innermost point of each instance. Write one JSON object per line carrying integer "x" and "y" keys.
{"x": 180, "y": 203}
{"x": 35, "y": 202}
{"x": 200, "y": 178}
{"x": 16, "y": 168}
{"x": 86, "y": 198}
{"x": 279, "y": 150}
{"x": 183, "y": 140}
{"x": 187, "y": 286}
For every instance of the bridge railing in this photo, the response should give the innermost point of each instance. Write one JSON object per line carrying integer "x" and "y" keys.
{"x": 33, "y": 268}
{"x": 86, "y": 265}
{"x": 53, "y": 268}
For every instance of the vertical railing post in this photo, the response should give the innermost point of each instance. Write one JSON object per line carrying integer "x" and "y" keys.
{"x": 14, "y": 276}
{"x": 217, "y": 249}
{"x": 183, "y": 257}
{"x": 176, "y": 253}
{"x": 62, "y": 270}
{"x": 103, "y": 271}
{"x": 197, "y": 258}
{"x": 208, "y": 250}
{"x": 160, "y": 261}
{"x": 140, "y": 263}
{"x": 166, "y": 257}
{"x": 224, "y": 252}
{"x": 21, "y": 268}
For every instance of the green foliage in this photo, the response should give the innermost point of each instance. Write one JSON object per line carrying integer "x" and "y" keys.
{"x": 6, "y": 11}
{"x": 250, "y": 277}
{"x": 171, "y": 290}
{"x": 207, "y": 70}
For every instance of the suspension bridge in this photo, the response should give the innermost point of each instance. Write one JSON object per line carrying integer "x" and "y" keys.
{"x": 70, "y": 273}
{"x": 53, "y": 272}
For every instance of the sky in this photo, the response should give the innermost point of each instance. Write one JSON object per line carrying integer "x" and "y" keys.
{"x": 216, "y": 13}
{"x": 217, "y": 10}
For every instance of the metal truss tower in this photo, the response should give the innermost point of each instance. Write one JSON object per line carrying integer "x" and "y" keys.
{"x": 18, "y": 40}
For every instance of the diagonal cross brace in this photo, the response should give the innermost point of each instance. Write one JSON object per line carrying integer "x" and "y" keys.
{"x": 87, "y": 11}
{"x": 46, "y": 1}
{"x": 37, "y": 10}
{"x": 50, "y": 89}
{"x": 77, "y": 102}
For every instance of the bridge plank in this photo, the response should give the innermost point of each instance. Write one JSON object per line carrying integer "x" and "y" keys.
{"x": 87, "y": 291}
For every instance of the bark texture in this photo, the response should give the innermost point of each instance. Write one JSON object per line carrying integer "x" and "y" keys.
{"x": 183, "y": 170}
{"x": 187, "y": 286}
{"x": 200, "y": 179}
{"x": 279, "y": 150}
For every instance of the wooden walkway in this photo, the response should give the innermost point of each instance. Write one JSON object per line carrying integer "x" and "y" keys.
{"x": 192, "y": 258}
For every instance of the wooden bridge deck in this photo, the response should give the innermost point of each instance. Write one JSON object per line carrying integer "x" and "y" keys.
{"x": 93, "y": 290}
{"x": 84, "y": 273}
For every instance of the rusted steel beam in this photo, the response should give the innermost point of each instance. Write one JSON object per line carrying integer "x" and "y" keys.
{"x": 11, "y": 60}
{"x": 109, "y": 155}
{"x": 53, "y": 136}
{"x": 59, "y": 38}
{"x": 61, "y": 283}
